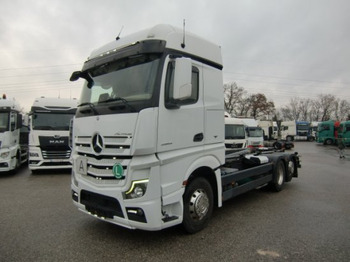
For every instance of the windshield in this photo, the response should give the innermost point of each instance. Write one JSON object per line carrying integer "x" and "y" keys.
{"x": 303, "y": 126}
{"x": 4, "y": 121}
{"x": 234, "y": 132}
{"x": 51, "y": 121}
{"x": 126, "y": 85}
{"x": 255, "y": 132}
{"x": 323, "y": 127}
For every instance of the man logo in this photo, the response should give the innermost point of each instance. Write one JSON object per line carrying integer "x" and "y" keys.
{"x": 97, "y": 143}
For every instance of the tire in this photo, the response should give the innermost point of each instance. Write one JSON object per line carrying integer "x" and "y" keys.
{"x": 328, "y": 142}
{"x": 198, "y": 202}
{"x": 277, "y": 145}
{"x": 279, "y": 176}
{"x": 291, "y": 170}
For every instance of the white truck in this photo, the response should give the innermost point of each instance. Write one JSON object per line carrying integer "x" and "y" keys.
{"x": 148, "y": 136}
{"x": 49, "y": 133}
{"x": 297, "y": 130}
{"x": 271, "y": 137}
{"x": 235, "y": 134}
{"x": 13, "y": 136}
{"x": 254, "y": 133}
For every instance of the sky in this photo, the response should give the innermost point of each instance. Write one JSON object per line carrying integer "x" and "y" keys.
{"x": 281, "y": 48}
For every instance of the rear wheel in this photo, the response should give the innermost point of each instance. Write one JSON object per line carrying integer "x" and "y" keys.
{"x": 328, "y": 141}
{"x": 198, "y": 204}
{"x": 278, "y": 177}
{"x": 291, "y": 169}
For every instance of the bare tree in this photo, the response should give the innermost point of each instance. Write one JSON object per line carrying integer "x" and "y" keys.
{"x": 327, "y": 106}
{"x": 304, "y": 108}
{"x": 233, "y": 96}
{"x": 259, "y": 105}
{"x": 342, "y": 110}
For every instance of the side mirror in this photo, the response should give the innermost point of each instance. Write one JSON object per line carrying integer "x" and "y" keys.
{"x": 19, "y": 121}
{"x": 75, "y": 76}
{"x": 182, "y": 79}
{"x": 78, "y": 74}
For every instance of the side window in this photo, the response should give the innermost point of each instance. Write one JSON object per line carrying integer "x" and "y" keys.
{"x": 170, "y": 102}
{"x": 13, "y": 120}
{"x": 326, "y": 127}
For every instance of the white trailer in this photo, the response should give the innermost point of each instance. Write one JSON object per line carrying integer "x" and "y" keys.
{"x": 49, "y": 132}
{"x": 148, "y": 136}
{"x": 13, "y": 142}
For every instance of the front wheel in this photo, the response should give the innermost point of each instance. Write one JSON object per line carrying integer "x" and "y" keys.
{"x": 328, "y": 142}
{"x": 198, "y": 204}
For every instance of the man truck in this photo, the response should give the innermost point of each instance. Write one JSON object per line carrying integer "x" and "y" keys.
{"x": 13, "y": 136}
{"x": 235, "y": 134}
{"x": 148, "y": 136}
{"x": 49, "y": 132}
{"x": 327, "y": 132}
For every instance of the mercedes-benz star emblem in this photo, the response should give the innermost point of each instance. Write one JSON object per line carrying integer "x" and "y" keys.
{"x": 97, "y": 143}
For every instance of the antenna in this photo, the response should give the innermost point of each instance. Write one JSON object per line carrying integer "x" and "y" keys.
{"x": 117, "y": 38}
{"x": 183, "y": 32}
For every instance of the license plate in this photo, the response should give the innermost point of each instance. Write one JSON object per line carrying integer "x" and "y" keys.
{"x": 81, "y": 165}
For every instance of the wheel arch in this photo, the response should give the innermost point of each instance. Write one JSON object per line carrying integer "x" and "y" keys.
{"x": 208, "y": 168}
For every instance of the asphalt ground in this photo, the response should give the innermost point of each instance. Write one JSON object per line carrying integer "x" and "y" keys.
{"x": 307, "y": 221}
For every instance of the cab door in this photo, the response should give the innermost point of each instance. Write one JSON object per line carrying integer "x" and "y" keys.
{"x": 181, "y": 112}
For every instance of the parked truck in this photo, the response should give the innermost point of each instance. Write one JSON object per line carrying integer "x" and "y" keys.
{"x": 235, "y": 134}
{"x": 255, "y": 134}
{"x": 148, "y": 136}
{"x": 296, "y": 130}
{"x": 49, "y": 132}
{"x": 327, "y": 132}
{"x": 271, "y": 137}
{"x": 13, "y": 136}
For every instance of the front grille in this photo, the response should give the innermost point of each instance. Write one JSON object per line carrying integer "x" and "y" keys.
{"x": 58, "y": 164}
{"x": 48, "y": 154}
{"x": 100, "y": 205}
{"x": 115, "y": 149}
{"x": 238, "y": 145}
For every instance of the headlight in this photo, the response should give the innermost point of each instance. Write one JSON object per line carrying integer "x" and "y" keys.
{"x": 5, "y": 154}
{"x": 138, "y": 189}
{"x": 33, "y": 154}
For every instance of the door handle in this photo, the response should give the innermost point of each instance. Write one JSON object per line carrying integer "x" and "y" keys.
{"x": 198, "y": 137}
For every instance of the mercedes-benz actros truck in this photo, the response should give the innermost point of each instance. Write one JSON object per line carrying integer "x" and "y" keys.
{"x": 149, "y": 135}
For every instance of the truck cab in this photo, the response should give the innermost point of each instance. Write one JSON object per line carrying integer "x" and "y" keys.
{"x": 344, "y": 132}
{"x": 255, "y": 134}
{"x": 49, "y": 132}
{"x": 12, "y": 152}
{"x": 235, "y": 134}
{"x": 327, "y": 132}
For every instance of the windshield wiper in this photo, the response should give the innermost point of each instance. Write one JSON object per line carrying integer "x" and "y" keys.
{"x": 123, "y": 100}
{"x": 92, "y": 107}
